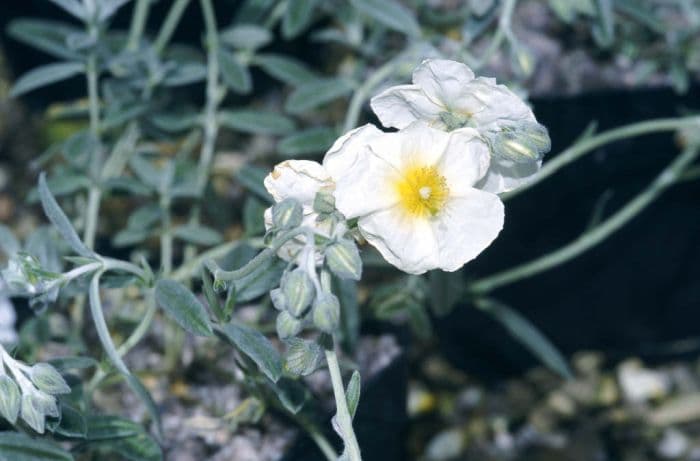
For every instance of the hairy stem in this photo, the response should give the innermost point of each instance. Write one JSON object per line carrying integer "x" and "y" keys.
{"x": 668, "y": 177}
{"x": 138, "y": 23}
{"x": 168, "y": 28}
{"x": 343, "y": 417}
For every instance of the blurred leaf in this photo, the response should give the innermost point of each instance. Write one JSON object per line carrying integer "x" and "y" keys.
{"x": 253, "y": 221}
{"x": 256, "y": 121}
{"x": 123, "y": 437}
{"x": 199, "y": 235}
{"x": 306, "y": 142}
{"x": 349, "y": 312}
{"x": 604, "y": 29}
{"x": 446, "y": 289}
{"x": 185, "y": 74}
{"x": 353, "y": 392}
{"x": 80, "y": 147}
{"x": 10, "y": 399}
{"x": 104, "y": 427}
{"x": 73, "y": 363}
{"x": 297, "y": 17}
{"x": 235, "y": 74}
{"x": 316, "y": 93}
{"x": 127, "y": 184}
{"x": 260, "y": 281}
{"x": 15, "y": 446}
{"x": 45, "y": 75}
{"x": 63, "y": 184}
{"x": 246, "y": 36}
{"x": 184, "y": 307}
{"x": 139, "y": 447}
{"x": 107, "y": 8}
{"x": 8, "y": 242}
{"x": 526, "y": 333}
{"x": 391, "y": 14}
{"x": 130, "y": 237}
{"x": 47, "y": 36}
{"x": 145, "y": 171}
{"x": 145, "y": 216}
{"x": 59, "y": 219}
{"x": 251, "y": 177}
{"x": 176, "y": 122}
{"x": 257, "y": 347}
{"x": 71, "y": 424}
{"x": 285, "y": 69}
{"x": 291, "y": 394}
{"x": 74, "y": 7}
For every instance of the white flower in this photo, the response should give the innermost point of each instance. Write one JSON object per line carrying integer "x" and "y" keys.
{"x": 447, "y": 96}
{"x": 413, "y": 192}
{"x": 300, "y": 180}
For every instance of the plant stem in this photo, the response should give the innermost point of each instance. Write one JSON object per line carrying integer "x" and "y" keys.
{"x": 191, "y": 267}
{"x": 138, "y": 23}
{"x": 169, "y": 25}
{"x": 343, "y": 417}
{"x": 361, "y": 94}
{"x": 94, "y": 193}
{"x": 583, "y": 147}
{"x": 666, "y": 178}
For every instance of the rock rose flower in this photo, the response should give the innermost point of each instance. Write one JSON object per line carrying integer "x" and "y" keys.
{"x": 300, "y": 180}
{"x": 447, "y": 96}
{"x": 414, "y": 196}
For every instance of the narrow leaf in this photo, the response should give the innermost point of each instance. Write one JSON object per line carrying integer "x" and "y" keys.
{"x": 183, "y": 306}
{"x": 391, "y": 14}
{"x": 353, "y": 392}
{"x": 45, "y": 75}
{"x": 285, "y": 69}
{"x": 47, "y": 36}
{"x": 256, "y": 346}
{"x": 200, "y": 235}
{"x": 73, "y": 7}
{"x": 297, "y": 17}
{"x": 234, "y": 73}
{"x": 316, "y": 93}
{"x": 251, "y": 177}
{"x": 59, "y": 219}
{"x": 311, "y": 141}
{"x": 256, "y": 121}
{"x": 15, "y": 446}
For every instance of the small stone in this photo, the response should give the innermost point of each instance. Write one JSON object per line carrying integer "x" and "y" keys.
{"x": 641, "y": 384}
{"x": 446, "y": 445}
{"x": 673, "y": 444}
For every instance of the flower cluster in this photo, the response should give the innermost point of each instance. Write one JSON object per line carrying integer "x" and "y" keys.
{"x": 424, "y": 196}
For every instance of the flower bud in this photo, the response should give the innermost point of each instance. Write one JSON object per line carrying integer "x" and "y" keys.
{"x": 298, "y": 290}
{"x": 287, "y": 214}
{"x": 287, "y": 325}
{"x": 24, "y": 275}
{"x": 326, "y": 313}
{"x": 324, "y": 202}
{"x": 278, "y": 299}
{"x": 303, "y": 357}
{"x": 10, "y": 399}
{"x": 343, "y": 259}
{"x": 453, "y": 121}
{"x": 47, "y": 379}
{"x": 522, "y": 142}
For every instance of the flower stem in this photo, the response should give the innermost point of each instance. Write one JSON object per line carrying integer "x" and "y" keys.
{"x": 343, "y": 417}
{"x": 587, "y": 145}
{"x": 94, "y": 193}
{"x": 666, "y": 178}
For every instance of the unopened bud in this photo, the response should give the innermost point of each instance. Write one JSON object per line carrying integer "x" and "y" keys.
{"x": 326, "y": 313}
{"x": 278, "y": 299}
{"x": 298, "y": 290}
{"x": 25, "y": 276}
{"x": 343, "y": 259}
{"x": 523, "y": 142}
{"x": 10, "y": 399}
{"x": 324, "y": 202}
{"x": 287, "y": 214}
{"x": 303, "y": 357}
{"x": 47, "y": 379}
{"x": 287, "y": 325}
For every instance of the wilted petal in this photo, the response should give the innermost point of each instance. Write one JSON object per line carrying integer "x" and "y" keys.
{"x": 298, "y": 179}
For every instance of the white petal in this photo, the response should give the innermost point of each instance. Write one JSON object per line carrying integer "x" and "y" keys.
{"x": 399, "y": 106}
{"x": 496, "y": 104}
{"x": 406, "y": 242}
{"x": 505, "y": 175}
{"x": 443, "y": 81}
{"x": 417, "y": 144}
{"x": 298, "y": 179}
{"x": 362, "y": 183}
{"x": 465, "y": 160}
{"x": 466, "y": 227}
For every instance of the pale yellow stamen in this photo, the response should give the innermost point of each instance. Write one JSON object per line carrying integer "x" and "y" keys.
{"x": 422, "y": 190}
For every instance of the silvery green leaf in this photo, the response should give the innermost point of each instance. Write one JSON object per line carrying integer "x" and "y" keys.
{"x": 33, "y": 411}
{"x": 72, "y": 423}
{"x": 343, "y": 259}
{"x": 246, "y": 36}
{"x": 47, "y": 36}
{"x": 126, "y": 184}
{"x": 130, "y": 237}
{"x": 481, "y": 7}
{"x": 45, "y": 75}
{"x": 107, "y": 8}
{"x": 286, "y": 69}
{"x": 311, "y": 95}
{"x": 81, "y": 146}
{"x": 251, "y": 177}
{"x": 298, "y": 291}
{"x": 123, "y": 437}
{"x": 324, "y": 202}
{"x": 198, "y": 234}
{"x": 104, "y": 427}
{"x": 278, "y": 299}
{"x": 446, "y": 290}
{"x": 346, "y": 291}
{"x": 604, "y": 29}
{"x": 174, "y": 122}
{"x": 260, "y": 281}
{"x": 297, "y": 17}
{"x": 391, "y": 14}
{"x": 257, "y": 347}
{"x": 9, "y": 244}
{"x": 287, "y": 214}
{"x": 352, "y": 392}
{"x": 185, "y": 74}
{"x": 59, "y": 219}
{"x": 183, "y": 306}
{"x": 306, "y": 142}
{"x": 74, "y": 7}
{"x": 253, "y": 212}
{"x": 145, "y": 171}
{"x": 63, "y": 184}
{"x": 303, "y": 357}
{"x": 287, "y": 326}
{"x": 326, "y": 313}
{"x": 48, "y": 380}
{"x": 121, "y": 152}
{"x": 144, "y": 217}
{"x": 16, "y": 446}
{"x": 234, "y": 73}
{"x": 139, "y": 447}
{"x": 256, "y": 121}
{"x": 73, "y": 363}
{"x": 528, "y": 334}
{"x": 10, "y": 399}
{"x": 292, "y": 394}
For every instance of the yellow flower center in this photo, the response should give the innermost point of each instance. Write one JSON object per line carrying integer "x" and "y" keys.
{"x": 422, "y": 190}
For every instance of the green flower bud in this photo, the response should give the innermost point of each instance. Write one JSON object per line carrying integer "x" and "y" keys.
{"x": 522, "y": 142}
{"x": 24, "y": 275}
{"x": 10, "y": 399}
{"x": 343, "y": 259}
{"x": 47, "y": 379}
{"x": 303, "y": 357}
{"x": 326, "y": 313}
{"x": 287, "y": 325}
{"x": 298, "y": 290}
{"x": 278, "y": 299}
{"x": 453, "y": 121}
{"x": 324, "y": 202}
{"x": 287, "y": 214}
